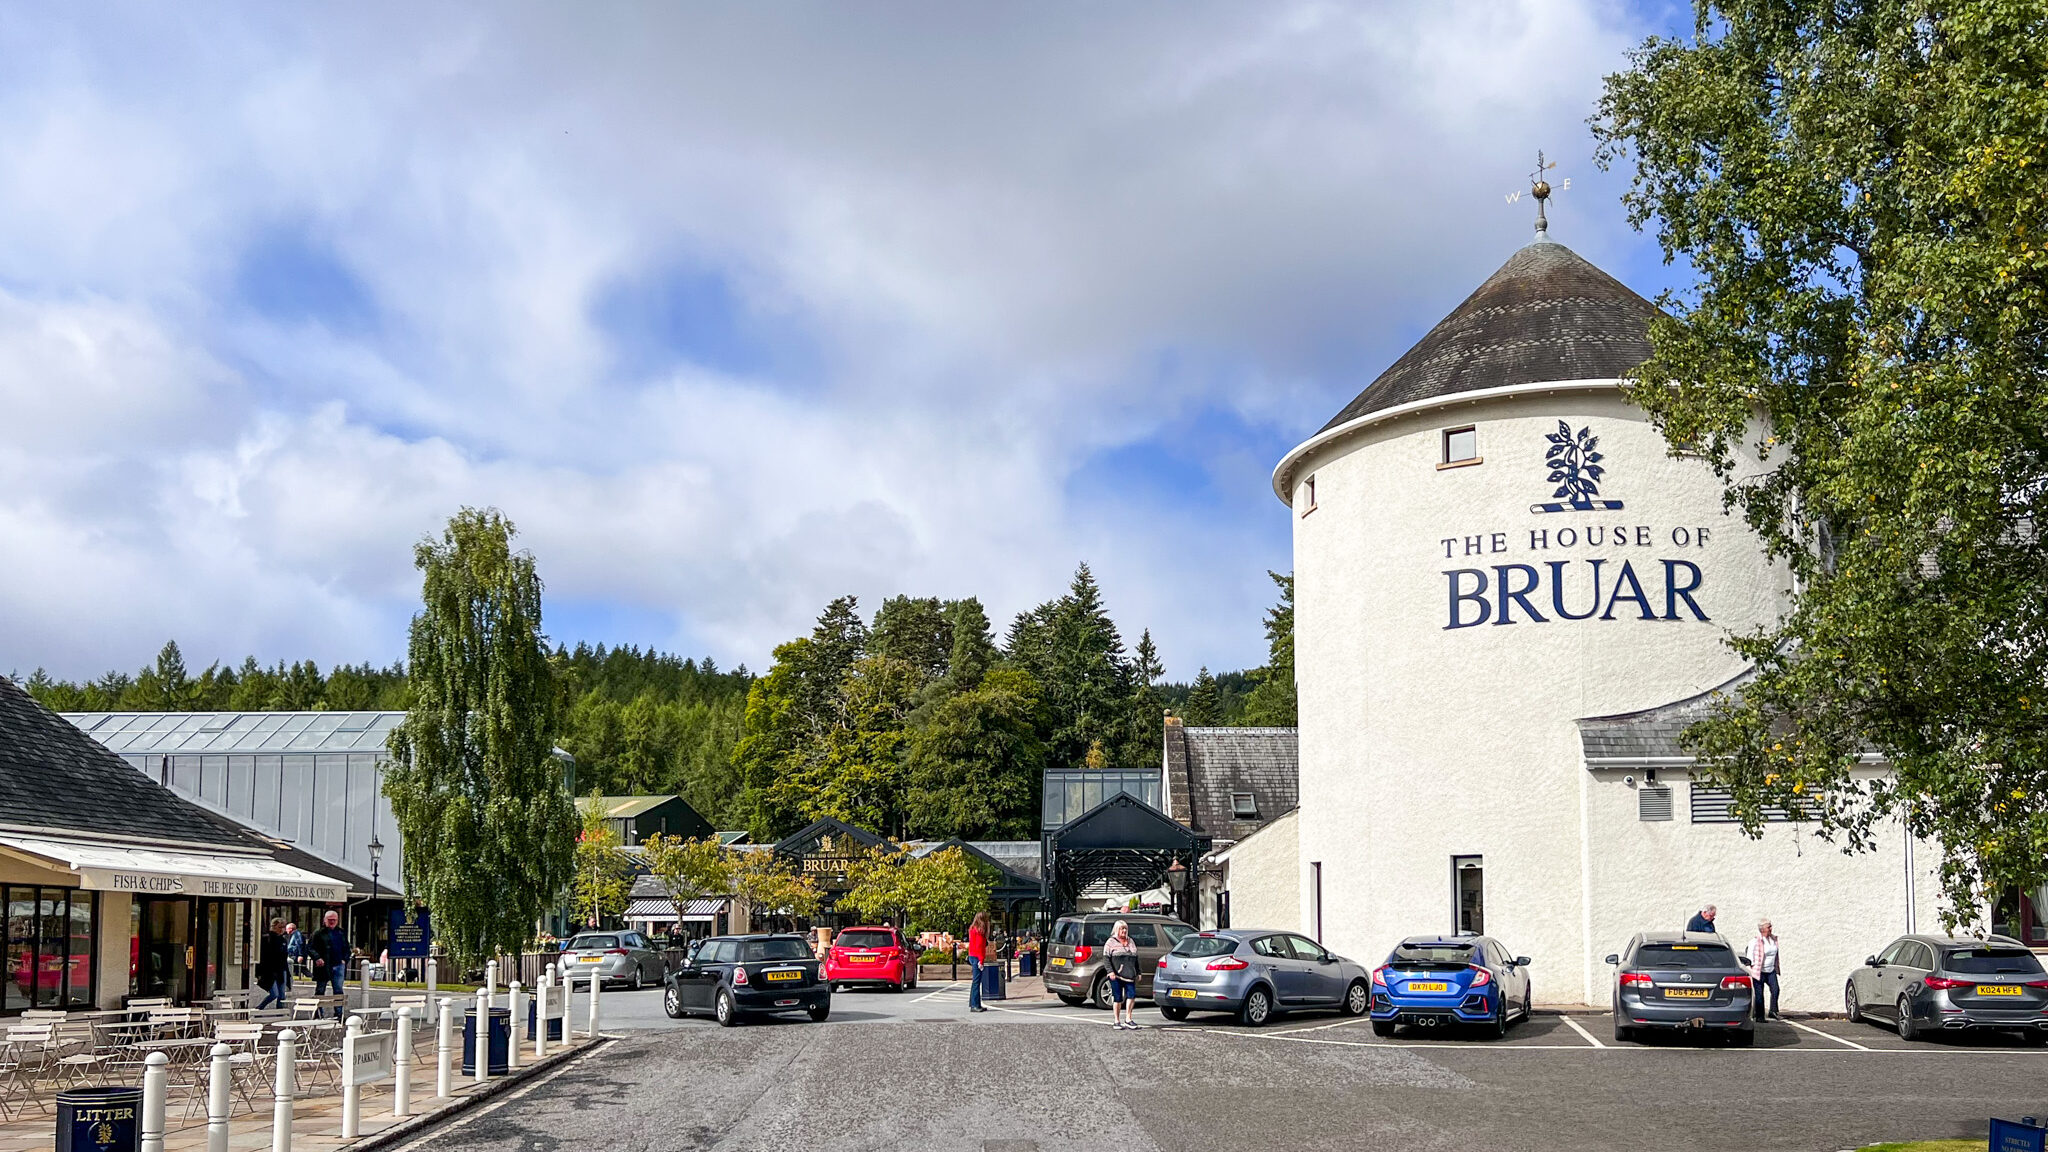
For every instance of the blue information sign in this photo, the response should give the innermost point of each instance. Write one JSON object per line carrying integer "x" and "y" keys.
{"x": 412, "y": 933}
{"x": 2008, "y": 1136}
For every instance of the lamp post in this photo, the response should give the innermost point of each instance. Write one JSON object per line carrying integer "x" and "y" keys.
{"x": 376, "y": 847}
{"x": 1177, "y": 883}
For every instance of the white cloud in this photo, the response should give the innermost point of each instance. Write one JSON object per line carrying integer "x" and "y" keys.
{"x": 978, "y": 245}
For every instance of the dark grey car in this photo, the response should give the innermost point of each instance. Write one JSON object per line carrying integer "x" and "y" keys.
{"x": 1952, "y": 983}
{"x": 1682, "y": 980}
{"x": 1073, "y": 952}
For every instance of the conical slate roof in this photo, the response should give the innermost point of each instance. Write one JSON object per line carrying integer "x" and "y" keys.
{"x": 1547, "y": 314}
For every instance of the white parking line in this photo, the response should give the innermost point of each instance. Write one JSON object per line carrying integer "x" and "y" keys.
{"x": 1829, "y": 1035}
{"x": 1576, "y": 1027}
{"x": 940, "y": 992}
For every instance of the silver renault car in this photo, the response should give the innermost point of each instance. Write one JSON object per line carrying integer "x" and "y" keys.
{"x": 1254, "y": 973}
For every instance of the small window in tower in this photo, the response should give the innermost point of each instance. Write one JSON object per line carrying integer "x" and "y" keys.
{"x": 1244, "y": 805}
{"x": 1461, "y": 447}
{"x": 1308, "y": 495}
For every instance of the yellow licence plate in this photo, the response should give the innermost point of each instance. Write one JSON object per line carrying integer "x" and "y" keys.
{"x": 1998, "y": 990}
{"x": 1182, "y": 993}
{"x": 862, "y": 959}
{"x": 1687, "y": 993}
{"x": 589, "y": 959}
{"x": 1056, "y": 962}
{"x": 784, "y": 975}
{"x": 1432, "y": 987}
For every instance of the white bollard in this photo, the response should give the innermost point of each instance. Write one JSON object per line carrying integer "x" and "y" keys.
{"x": 596, "y": 986}
{"x": 351, "y": 1092}
{"x": 491, "y": 979}
{"x": 401, "y": 1091}
{"x": 512, "y": 1039}
{"x": 156, "y": 1078}
{"x": 446, "y": 1052}
{"x": 480, "y": 1047}
{"x": 217, "y": 1100}
{"x": 365, "y": 982}
{"x": 540, "y": 1014}
{"x": 433, "y": 977}
{"x": 284, "y": 1090}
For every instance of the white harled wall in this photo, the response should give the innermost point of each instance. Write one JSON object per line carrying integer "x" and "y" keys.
{"x": 1421, "y": 741}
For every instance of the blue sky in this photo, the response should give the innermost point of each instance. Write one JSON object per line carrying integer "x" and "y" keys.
{"x": 731, "y": 310}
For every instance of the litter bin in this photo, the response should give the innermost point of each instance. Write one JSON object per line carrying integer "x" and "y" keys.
{"x": 1027, "y": 964}
{"x": 992, "y": 982}
{"x": 500, "y": 1041}
{"x": 99, "y": 1119}
{"x": 555, "y": 1005}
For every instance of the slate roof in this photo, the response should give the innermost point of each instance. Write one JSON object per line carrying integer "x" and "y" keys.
{"x": 53, "y": 776}
{"x": 1649, "y": 738}
{"x": 1547, "y": 314}
{"x": 1206, "y": 767}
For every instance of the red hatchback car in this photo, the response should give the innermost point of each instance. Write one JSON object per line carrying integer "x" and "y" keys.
{"x": 877, "y": 956}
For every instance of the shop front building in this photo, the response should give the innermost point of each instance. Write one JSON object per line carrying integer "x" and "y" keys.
{"x": 115, "y": 888}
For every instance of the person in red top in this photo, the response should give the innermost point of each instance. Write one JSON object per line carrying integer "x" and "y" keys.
{"x": 977, "y": 953}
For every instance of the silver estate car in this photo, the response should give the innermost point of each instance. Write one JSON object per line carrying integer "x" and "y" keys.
{"x": 1255, "y": 972}
{"x": 1682, "y": 980}
{"x": 1922, "y": 984}
{"x": 614, "y": 957}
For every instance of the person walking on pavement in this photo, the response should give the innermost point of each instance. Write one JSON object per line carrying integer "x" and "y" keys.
{"x": 1702, "y": 920}
{"x": 295, "y": 949}
{"x": 1120, "y": 956}
{"x": 977, "y": 954}
{"x": 273, "y": 967}
{"x": 330, "y": 949}
{"x": 1762, "y": 962}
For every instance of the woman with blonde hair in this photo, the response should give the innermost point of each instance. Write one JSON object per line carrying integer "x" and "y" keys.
{"x": 1762, "y": 961}
{"x": 1120, "y": 956}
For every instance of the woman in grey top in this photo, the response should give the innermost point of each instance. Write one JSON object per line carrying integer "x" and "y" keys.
{"x": 1120, "y": 956}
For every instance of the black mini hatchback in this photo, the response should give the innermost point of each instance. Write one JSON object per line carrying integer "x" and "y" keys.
{"x": 730, "y": 977}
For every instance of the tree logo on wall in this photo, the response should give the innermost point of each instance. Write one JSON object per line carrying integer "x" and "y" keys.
{"x": 1574, "y": 463}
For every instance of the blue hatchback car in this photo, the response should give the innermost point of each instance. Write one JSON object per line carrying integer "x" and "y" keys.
{"x": 1441, "y": 982}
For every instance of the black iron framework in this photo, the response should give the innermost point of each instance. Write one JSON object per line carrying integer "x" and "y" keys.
{"x": 1126, "y": 843}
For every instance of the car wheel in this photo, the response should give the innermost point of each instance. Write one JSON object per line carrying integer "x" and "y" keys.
{"x": 1850, "y": 1008}
{"x": 1528, "y": 1004}
{"x": 1172, "y": 1012}
{"x": 727, "y": 1012}
{"x": 637, "y": 980}
{"x": 1744, "y": 1038}
{"x": 1357, "y": 999}
{"x": 1623, "y": 1033}
{"x": 1072, "y": 1001}
{"x": 2034, "y": 1038}
{"x": 1102, "y": 992}
{"x": 818, "y": 1012}
{"x": 1258, "y": 1008}
{"x": 1498, "y": 1026}
{"x": 1383, "y": 1027}
{"x": 672, "y": 1003}
{"x": 1909, "y": 1029}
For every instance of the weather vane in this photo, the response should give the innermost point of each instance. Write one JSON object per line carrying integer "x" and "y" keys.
{"x": 1540, "y": 189}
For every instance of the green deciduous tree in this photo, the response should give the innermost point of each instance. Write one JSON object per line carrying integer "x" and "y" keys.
{"x": 604, "y": 876}
{"x": 689, "y": 869}
{"x": 490, "y": 831}
{"x": 1862, "y": 192}
{"x": 938, "y": 892}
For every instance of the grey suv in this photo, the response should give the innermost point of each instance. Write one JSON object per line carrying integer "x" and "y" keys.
{"x": 1073, "y": 952}
{"x": 1682, "y": 980}
{"x": 1952, "y": 983}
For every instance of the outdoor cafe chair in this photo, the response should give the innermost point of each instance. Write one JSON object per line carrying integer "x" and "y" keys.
{"x": 245, "y": 1062}
{"x": 79, "y": 1055}
{"x": 31, "y": 1049}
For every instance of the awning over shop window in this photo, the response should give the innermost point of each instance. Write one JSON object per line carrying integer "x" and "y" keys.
{"x": 654, "y": 908}
{"x": 164, "y": 872}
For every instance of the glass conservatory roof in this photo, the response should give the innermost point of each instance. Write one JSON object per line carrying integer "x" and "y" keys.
{"x": 221, "y": 733}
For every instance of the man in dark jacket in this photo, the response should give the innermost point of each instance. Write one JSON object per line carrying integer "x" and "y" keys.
{"x": 329, "y": 950}
{"x": 1702, "y": 920}
{"x": 273, "y": 967}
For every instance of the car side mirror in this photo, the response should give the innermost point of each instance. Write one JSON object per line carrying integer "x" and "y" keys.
{"x": 1521, "y": 961}
{"x": 1614, "y": 958}
{"x": 1327, "y": 959}
{"x": 1872, "y": 962}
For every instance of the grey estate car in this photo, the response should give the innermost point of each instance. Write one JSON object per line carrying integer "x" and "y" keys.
{"x": 614, "y": 957}
{"x": 1682, "y": 980}
{"x": 1921, "y": 984}
{"x": 1255, "y": 972}
{"x": 1073, "y": 952}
